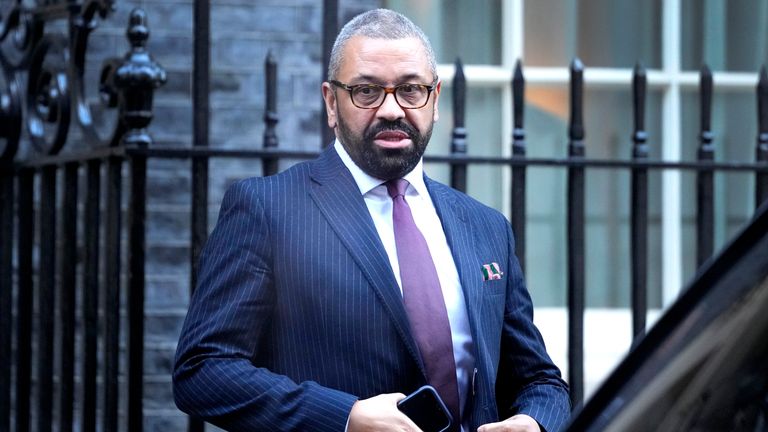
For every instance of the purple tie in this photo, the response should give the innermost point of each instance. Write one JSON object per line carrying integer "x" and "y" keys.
{"x": 423, "y": 299}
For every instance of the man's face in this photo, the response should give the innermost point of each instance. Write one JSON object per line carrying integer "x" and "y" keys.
{"x": 386, "y": 142}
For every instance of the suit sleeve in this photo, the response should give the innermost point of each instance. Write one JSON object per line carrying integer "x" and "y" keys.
{"x": 528, "y": 381}
{"x": 214, "y": 376}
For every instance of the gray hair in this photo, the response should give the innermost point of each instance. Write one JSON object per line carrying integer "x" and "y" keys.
{"x": 378, "y": 24}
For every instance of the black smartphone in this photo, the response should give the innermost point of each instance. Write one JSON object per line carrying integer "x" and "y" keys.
{"x": 426, "y": 409}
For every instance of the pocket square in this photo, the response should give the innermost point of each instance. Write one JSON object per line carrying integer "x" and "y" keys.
{"x": 491, "y": 271}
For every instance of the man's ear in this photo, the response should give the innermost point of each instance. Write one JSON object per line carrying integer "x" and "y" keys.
{"x": 329, "y": 96}
{"x": 436, "y": 91}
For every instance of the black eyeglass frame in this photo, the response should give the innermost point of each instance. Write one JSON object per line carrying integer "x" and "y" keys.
{"x": 387, "y": 90}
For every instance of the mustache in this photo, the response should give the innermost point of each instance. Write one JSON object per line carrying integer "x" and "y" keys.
{"x": 396, "y": 125}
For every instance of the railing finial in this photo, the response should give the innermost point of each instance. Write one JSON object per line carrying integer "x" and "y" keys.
{"x": 137, "y": 78}
{"x": 762, "y": 105}
{"x": 639, "y": 85}
{"x": 138, "y": 31}
{"x": 761, "y": 187}
{"x": 576, "y": 125}
{"x": 459, "y": 136}
{"x": 705, "y": 92}
{"x": 270, "y": 165}
{"x": 518, "y": 94}
{"x": 270, "y": 115}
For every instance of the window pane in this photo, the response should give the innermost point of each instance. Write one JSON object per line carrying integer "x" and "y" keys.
{"x": 466, "y": 29}
{"x": 727, "y": 35}
{"x": 603, "y": 33}
{"x": 608, "y": 117}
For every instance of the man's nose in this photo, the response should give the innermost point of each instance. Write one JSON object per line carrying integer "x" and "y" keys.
{"x": 390, "y": 109}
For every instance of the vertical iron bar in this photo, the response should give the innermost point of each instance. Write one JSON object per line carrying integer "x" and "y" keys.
{"x": 270, "y": 164}
{"x": 330, "y": 28}
{"x": 518, "y": 171}
{"x": 67, "y": 301}
{"x": 761, "y": 178}
{"x": 459, "y": 138}
{"x": 136, "y": 280}
{"x": 26, "y": 238}
{"x": 91, "y": 294}
{"x": 201, "y": 72}
{"x": 201, "y": 108}
{"x": 46, "y": 299}
{"x": 639, "y": 208}
{"x": 7, "y": 201}
{"x": 576, "y": 238}
{"x": 112, "y": 293}
{"x": 705, "y": 214}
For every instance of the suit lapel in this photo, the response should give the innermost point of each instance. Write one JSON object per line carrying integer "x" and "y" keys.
{"x": 455, "y": 221}
{"x": 337, "y": 196}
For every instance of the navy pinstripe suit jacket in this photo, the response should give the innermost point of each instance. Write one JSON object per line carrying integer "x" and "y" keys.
{"x": 297, "y": 313}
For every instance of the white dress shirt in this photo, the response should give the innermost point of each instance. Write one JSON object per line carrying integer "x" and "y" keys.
{"x": 379, "y": 204}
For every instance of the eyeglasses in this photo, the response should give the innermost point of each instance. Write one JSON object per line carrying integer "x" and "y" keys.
{"x": 371, "y": 96}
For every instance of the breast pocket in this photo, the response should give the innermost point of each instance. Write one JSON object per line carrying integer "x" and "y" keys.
{"x": 492, "y": 312}
{"x": 494, "y": 288}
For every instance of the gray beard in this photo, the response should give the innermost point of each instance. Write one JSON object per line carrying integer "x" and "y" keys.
{"x": 385, "y": 164}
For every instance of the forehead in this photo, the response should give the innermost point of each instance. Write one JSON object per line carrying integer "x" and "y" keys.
{"x": 384, "y": 59}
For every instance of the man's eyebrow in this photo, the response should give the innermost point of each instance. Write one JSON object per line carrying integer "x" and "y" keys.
{"x": 370, "y": 79}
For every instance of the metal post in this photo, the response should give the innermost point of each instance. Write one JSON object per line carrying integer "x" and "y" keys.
{"x": 270, "y": 164}
{"x": 201, "y": 108}
{"x": 761, "y": 178}
{"x": 576, "y": 267}
{"x": 46, "y": 299}
{"x": 330, "y": 28}
{"x": 90, "y": 297}
{"x": 705, "y": 185}
{"x": 7, "y": 200}
{"x": 459, "y": 137}
{"x": 639, "y": 208}
{"x": 519, "y": 172}
{"x": 112, "y": 292}
{"x": 136, "y": 79}
{"x": 67, "y": 299}
{"x": 200, "y": 176}
{"x": 136, "y": 280}
{"x": 26, "y": 218}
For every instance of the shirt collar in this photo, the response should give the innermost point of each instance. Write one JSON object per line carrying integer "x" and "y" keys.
{"x": 366, "y": 182}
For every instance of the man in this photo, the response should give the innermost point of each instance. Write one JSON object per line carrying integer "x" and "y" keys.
{"x": 329, "y": 291}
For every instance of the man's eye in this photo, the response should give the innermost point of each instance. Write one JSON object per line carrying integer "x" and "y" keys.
{"x": 408, "y": 88}
{"x": 366, "y": 91}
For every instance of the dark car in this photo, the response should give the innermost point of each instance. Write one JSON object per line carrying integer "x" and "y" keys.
{"x": 704, "y": 365}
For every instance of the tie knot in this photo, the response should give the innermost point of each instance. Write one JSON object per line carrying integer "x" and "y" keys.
{"x": 396, "y": 187}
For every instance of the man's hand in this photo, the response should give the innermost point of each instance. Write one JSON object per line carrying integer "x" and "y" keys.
{"x": 517, "y": 423}
{"x": 380, "y": 413}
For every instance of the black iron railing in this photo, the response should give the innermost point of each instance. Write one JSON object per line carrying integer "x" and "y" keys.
{"x": 45, "y": 70}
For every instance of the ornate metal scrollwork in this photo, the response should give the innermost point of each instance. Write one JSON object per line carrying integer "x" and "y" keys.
{"x": 51, "y": 66}
{"x": 48, "y": 97}
{"x": 14, "y": 43}
{"x": 10, "y": 116}
{"x": 90, "y": 116}
{"x": 19, "y": 33}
